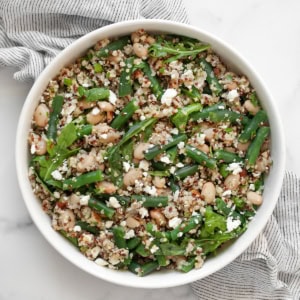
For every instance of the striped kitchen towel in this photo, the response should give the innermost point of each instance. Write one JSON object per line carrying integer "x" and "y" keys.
{"x": 270, "y": 267}
{"x": 32, "y": 33}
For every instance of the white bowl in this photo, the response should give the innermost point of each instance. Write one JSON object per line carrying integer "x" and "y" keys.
{"x": 163, "y": 278}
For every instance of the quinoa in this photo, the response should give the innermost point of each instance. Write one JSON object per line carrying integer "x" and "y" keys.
{"x": 149, "y": 152}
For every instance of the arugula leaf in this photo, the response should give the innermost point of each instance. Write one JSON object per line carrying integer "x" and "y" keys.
{"x": 213, "y": 222}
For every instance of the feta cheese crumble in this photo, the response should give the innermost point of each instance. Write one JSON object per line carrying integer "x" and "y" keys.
{"x": 235, "y": 168}
{"x": 167, "y": 97}
{"x": 57, "y": 175}
{"x": 174, "y": 222}
{"x": 112, "y": 98}
{"x": 232, "y": 224}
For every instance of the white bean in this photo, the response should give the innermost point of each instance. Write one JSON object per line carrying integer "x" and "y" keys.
{"x": 106, "y": 187}
{"x": 140, "y": 50}
{"x": 106, "y": 106}
{"x": 94, "y": 119}
{"x": 159, "y": 182}
{"x": 139, "y": 150}
{"x": 132, "y": 222}
{"x": 158, "y": 217}
{"x": 131, "y": 176}
{"x": 251, "y": 108}
{"x": 208, "y": 192}
{"x": 254, "y": 198}
{"x": 232, "y": 181}
{"x": 86, "y": 162}
{"x": 85, "y": 104}
{"x": 204, "y": 148}
{"x": 41, "y": 115}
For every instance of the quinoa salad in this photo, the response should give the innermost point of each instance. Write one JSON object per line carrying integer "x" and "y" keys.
{"x": 149, "y": 153}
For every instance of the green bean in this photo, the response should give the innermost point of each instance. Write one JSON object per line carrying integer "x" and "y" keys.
{"x": 254, "y": 148}
{"x": 172, "y": 154}
{"x": 225, "y": 115}
{"x": 162, "y": 260}
{"x": 173, "y": 186}
{"x": 81, "y": 180}
{"x": 165, "y": 173}
{"x": 56, "y": 108}
{"x": 133, "y": 243}
{"x": 125, "y": 86}
{"x": 119, "y": 234}
{"x": 185, "y": 171}
{"x": 226, "y": 156}
{"x": 84, "y": 130}
{"x": 181, "y": 229}
{"x": 68, "y": 81}
{"x": 170, "y": 249}
{"x": 96, "y": 94}
{"x": 200, "y": 157}
{"x": 180, "y": 119}
{"x": 204, "y": 113}
{"x": 223, "y": 170}
{"x": 101, "y": 207}
{"x": 157, "y": 149}
{"x": 250, "y": 130}
{"x": 136, "y": 129}
{"x": 122, "y": 118}
{"x": 142, "y": 270}
{"x": 192, "y": 93}
{"x": 71, "y": 239}
{"x": 142, "y": 251}
{"x": 160, "y": 166}
{"x": 123, "y": 200}
{"x": 188, "y": 265}
{"x": 87, "y": 227}
{"x": 155, "y": 85}
{"x": 115, "y": 45}
{"x": 151, "y": 201}
{"x": 213, "y": 82}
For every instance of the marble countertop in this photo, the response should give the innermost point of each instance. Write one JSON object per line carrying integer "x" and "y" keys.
{"x": 266, "y": 32}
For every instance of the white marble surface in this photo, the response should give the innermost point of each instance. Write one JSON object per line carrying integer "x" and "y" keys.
{"x": 266, "y": 32}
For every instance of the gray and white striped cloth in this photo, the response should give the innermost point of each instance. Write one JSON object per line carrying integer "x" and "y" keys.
{"x": 33, "y": 32}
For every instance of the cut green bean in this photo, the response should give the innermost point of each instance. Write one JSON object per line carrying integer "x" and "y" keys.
{"x": 133, "y": 243}
{"x": 162, "y": 260}
{"x": 115, "y": 45}
{"x": 192, "y": 93}
{"x": 181, "y": 118}
{"x": 125, "y": 86}
{"x": 81, "y": 180}
{"x": 71, "y": 239}
{"x": 151, "y": 201}
{"x": 223, "y": 169}
{"x": 172, "y": 249}
{"x": 213, "y": 82}
{"x": 225, "y": 115}
{"x": 155, "y": 85}
{"x": 142, "y": 251}
{"x": 119, "y": 234}
{"x": 254, "y": 148}
{"x": 157, "y": 149}
{"x": 185, "y": 171}
{"x": 143, "y": 270}
{"x": 101, "y": 207}
{"x": 181, "y": 229}
{"x": 188, "y": 265}
{"x": 165, "y": 173}
{"x": 122, "y": 118}
{"x": 84, "y": 130}
{"x": 250, "y": 130}
{"x": 226, "y": 156}
{"x": 200, "y": 157}
{"x": 96, "y": 94}
{"x": 56, "y": 108}
{"x": 87, "y": 227}
{"x": 204, "y": 113}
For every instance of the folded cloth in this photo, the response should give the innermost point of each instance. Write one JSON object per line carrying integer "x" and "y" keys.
{"x": 270, "y": 267}
{"x": 32, "y": 33}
